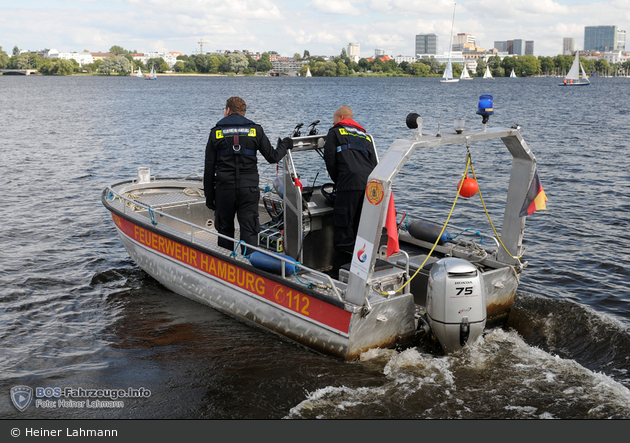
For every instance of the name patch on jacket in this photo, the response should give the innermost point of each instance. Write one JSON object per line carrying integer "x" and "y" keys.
{"x": 349, "y": 130}
{"x": 231, "y": 132}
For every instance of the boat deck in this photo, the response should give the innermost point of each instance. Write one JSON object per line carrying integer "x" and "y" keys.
{"x": 182, "y": 212}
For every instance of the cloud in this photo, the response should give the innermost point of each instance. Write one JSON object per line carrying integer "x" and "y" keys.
{"x": 342, "y": 7}
{"x": 322, "y": 26}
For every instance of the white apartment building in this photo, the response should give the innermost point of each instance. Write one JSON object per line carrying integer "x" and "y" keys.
{"x": 405, "y": 58}
{"x": 169, "y": 57}
{"x": 612, "y": 57}
{"x": 354, "y": 52}
{"x": 83, "y": 58}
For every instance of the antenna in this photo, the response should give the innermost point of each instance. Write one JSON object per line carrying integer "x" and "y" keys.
{"x": 450, "y": 51}
{"x": 201, "y": 46}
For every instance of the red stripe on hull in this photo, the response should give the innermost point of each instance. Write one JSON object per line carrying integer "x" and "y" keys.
{"x": 257, "y": 285}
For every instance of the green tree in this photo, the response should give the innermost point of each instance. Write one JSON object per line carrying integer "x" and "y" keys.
{"x": 510, "y": 63}
{"x": 190, "y": 65}
{"x": 237, "y": 63}
{"x": 562, "y": 63}
{"x": 117, "y": 64}
{"x": 342, "y": 69}
{"x": 588, "y": 65}
{"x": 419, "y": 69}
{"x": 546, "y": 64}
{"x": 159, "y": 64}
{"x": 16, "y": 50}
{"x": 4, "y": 59}
{"x": 481, "y": 67}
{"x": 179, "y": 66}
{"x": 118, "y": 50}
{"x": 602, "y": 67}
{"x": 528, "y": 65}
{"x": 264, "y": 63}
{"x": 218, "y": 63}
{"x": 306, "y": 54}
{"x": 58, "y": 67}
{"x": 296, "y": 56}
{"x": 432, "y": 63}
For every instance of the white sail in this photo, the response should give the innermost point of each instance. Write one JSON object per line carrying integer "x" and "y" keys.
{"x": 465, "y": 75}
{"x": 139, "y": 74}
{"x": 573, "y": 77}
{"x": 308, "y": 72}
{"x": 448, "y": 73}
{"x": 513, "y": 74}
{"x": 152, "y": 75}
{"x": 487, "y": 74}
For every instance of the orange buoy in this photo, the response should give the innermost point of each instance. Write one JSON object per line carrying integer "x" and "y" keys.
{"x": 469, "y": 188}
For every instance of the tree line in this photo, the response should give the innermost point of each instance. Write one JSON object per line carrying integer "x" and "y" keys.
{"x": 523, "y": 65}
{"x": 341, "y": 66}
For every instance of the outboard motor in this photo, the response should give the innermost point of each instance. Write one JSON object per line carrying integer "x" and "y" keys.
{"x": 456, "y": 303}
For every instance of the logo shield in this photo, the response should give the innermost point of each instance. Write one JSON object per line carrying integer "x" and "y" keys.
{"x": 21, "y": 397}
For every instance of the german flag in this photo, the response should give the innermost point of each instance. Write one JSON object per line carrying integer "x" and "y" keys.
{"x": 535, "y": 198}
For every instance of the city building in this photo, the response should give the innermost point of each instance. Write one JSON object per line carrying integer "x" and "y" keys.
{"x": 464, "y": 42}
{"x": 604, "y": 38}
{"x": 515, "y": 47}
{"x": 405, "y": 58}
{"x": 82, "y": 58}
{"x": 426, "y": 44}
{"x": 568, "y": 46}
{"x": 378, "y": 53}
{"x": 501, "y": 46}
{"x": 287, "y": 66}
{"x": 612, "y": 57}
{"x": 621, "y": 40}
{"x": 169, "y": 57}
{"x": 354, "y": 52}
{"x": 529, "y": 47}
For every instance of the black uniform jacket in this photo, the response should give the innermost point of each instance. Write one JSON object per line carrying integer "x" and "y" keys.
{"x": 232, "y": 165}
{"x": 349, "y": 155}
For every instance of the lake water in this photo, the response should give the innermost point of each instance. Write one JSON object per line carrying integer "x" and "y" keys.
{"x": 75, "y": 311}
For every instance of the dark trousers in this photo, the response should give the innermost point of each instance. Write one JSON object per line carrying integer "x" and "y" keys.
{"x": 243, "y": 203}
{"x": 346, "y": 216}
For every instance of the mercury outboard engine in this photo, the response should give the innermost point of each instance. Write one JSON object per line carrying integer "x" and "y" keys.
{"x": 456, "y": 303}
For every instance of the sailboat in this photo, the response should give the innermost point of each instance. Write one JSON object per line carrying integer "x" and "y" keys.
{"x": 488, "y": 74}
{"x": 152, "y": 75}
{"x": 465, "y": 75}
{"x": 573, "y": 78}
{"x": 139, "y": 74}
{"x": 308, "y": 73}
{"x": 448, "y": 74}
{"x": 513, "y": 75}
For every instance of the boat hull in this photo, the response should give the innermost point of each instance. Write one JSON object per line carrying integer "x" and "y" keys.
{"x": 331, "y": 327}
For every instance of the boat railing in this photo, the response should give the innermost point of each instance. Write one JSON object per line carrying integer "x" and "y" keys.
{"x": 112, "y": 195}
{"x": 383, "y": 248}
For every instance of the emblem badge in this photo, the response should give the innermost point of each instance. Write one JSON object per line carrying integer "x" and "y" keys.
{"x": 374, "y": 192}
{"x": 21, "y": 397}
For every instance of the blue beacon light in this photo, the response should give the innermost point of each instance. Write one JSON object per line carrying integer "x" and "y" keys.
{"x": 485, "y": 108}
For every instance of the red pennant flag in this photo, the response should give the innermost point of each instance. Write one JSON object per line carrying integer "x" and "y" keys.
{"x": 392, "y": 228}
{"x": 535, "y": 198}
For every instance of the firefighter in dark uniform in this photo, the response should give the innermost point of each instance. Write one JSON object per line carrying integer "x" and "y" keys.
{"x": 231, "y": 172}
{"x": 350, "y": 158}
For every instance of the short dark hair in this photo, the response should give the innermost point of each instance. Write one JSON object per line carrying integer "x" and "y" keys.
{"x": 237, "y": 105}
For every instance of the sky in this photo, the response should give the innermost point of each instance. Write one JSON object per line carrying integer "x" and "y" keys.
{"x": 323, "y": 27}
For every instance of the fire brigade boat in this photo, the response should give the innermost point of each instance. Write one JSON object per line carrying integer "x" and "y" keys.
{"x": 432, "y": 289}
